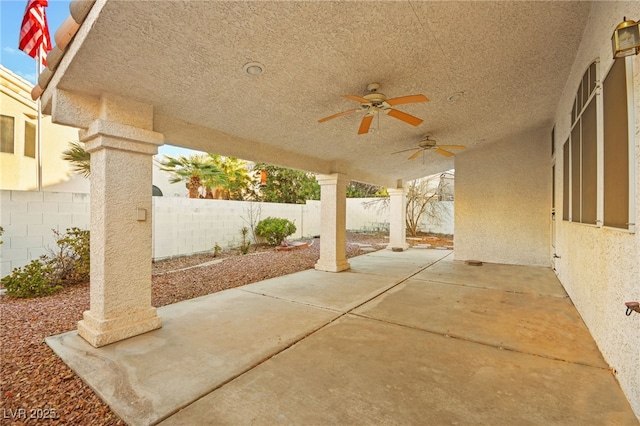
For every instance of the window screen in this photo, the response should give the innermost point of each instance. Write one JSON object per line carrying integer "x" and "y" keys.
{"x": 575, "y": 173}
{"x": 616, "y": 147}
{"x": 566, "y": 158}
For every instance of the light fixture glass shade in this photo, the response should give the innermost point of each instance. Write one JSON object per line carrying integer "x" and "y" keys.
{"x": 626, "y": 39}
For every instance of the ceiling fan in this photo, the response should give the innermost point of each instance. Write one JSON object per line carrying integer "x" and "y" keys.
{"x": 374, "y": 102}
{"x": 429, "y": 144}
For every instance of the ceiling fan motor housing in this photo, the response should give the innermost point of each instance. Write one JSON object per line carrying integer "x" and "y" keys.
{"x": 376, "y": 99}
{"x": 427, "y": 144}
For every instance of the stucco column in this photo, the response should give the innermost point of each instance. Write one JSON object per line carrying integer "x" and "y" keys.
{"x": 122, "y": 146}
{"x": 397, "y": 219}
{"x": 333, "y": 223}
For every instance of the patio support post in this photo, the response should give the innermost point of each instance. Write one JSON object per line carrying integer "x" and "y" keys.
{"x": 333, "y": 223}
{"x": 122, "y": 145}
{"x": 397, "y": 219}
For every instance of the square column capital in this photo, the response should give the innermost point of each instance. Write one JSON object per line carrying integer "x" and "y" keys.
{"x": 107, "y": 134}
{"x": 333, "y": 179}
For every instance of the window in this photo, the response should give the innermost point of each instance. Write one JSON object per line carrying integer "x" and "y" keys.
{"x": 566, "y": 180}
{"x": 588, "y": 163}
{"x": 599, "y": 176}
{"x": 616, "y": 147}
{"x": 7, "y": 125}
{"x": 580, "y": 180}
{"x": 29, "y": 140}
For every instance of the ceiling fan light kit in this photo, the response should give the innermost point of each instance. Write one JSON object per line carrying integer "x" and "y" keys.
{"x": 375, "y": 102}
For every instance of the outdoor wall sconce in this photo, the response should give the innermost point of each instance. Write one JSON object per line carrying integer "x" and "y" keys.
{"x": 625, "y": 40}
{"x": 632, "y": 306}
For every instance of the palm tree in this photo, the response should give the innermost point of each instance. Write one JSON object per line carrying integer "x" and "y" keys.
{"x": 237, "y": 178}
{"x": 79, "y": 158}
{"x": 196, "y": 170}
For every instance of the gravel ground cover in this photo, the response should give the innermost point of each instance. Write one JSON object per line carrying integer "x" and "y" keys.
{"x": 36, "y": 386}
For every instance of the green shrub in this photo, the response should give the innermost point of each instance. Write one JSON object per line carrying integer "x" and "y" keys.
{"x": 216, "y": 250}
{"x": 275, "y": 230}
{"x": 70, "y": 260}
{"x": 33, "y": 280}
{"x": 1, "y": 232}
{"x": 68, "y": 263}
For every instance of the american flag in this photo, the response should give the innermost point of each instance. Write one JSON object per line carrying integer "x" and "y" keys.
{"x": 34, "y": 33}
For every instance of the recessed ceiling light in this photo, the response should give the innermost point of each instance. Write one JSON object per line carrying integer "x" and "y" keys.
{"x": 253, "y": 68}
{"x": 455, "y": 96}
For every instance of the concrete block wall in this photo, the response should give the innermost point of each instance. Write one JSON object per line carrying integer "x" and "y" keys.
{"x": 28, "y": 219}
{"x": 181, "y": 226}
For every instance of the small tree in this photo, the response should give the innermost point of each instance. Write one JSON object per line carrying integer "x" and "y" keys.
{"x": 423, "y": 196}
{"x": 422, "y": 200}
{"x": 253, "y": 213}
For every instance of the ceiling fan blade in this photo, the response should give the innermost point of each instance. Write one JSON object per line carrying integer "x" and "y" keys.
{"x": 407, "y": 118}
{"x": 340, "y": 114}
{"x": 443, "y": 152}
{"x": 404, "y": 150}
{"x": 365, "y": 124}
{"x": 357, "y": 99}
{"x": 410, "y": 99}
{"x": 415, "y": 154}
{"x": 452, "y": 146}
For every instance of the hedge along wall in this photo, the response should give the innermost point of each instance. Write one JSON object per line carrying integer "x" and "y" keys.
{"x": 181, "y": 226}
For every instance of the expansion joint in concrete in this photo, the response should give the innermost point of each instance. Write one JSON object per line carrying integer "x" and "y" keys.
{"x": 452, "y": 336}
{"x": 295, "y": 342}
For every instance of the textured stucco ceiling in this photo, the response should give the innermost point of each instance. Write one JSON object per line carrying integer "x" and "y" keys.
{"x": 510, "y": 59}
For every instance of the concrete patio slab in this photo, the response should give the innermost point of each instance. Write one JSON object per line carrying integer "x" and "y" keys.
{"x": 395, "y": 264}
{"x": 340, "y": 292}
{"x": 361, "y": 371}
{"x": 203, "y": 343}
{"x": 516, "y": 278}
{"x": 293, "y": 350}
{"x": 541, "y": 325}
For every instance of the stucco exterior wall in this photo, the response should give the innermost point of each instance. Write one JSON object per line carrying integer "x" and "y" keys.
{"x": 503, "y": 201}
{"x": 18, "y": 171}
{"x": 600, "y": 267}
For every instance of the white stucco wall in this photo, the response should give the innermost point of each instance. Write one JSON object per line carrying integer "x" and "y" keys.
{"x": 503, "y": 201}
{"x": 599, "y": 267}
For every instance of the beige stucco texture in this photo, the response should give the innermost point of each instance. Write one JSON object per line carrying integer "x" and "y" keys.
{"x": 503, "y": 201}
{"x": 599, "y": 267}
{"x": 121, "y": 155}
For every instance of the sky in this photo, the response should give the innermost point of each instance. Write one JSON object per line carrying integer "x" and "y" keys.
{"x": 11, "y": 14}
